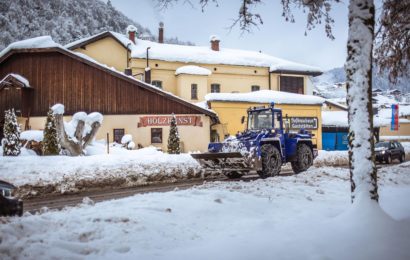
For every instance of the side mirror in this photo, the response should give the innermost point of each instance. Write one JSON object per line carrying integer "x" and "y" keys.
{"x": 243, "y": 119}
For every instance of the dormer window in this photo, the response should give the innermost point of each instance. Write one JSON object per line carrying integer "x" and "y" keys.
{"x": 157, "y": 83}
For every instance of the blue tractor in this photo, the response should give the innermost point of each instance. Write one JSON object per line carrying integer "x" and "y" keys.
{"x": 263, "y": 147}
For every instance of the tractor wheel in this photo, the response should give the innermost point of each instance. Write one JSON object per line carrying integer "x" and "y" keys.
{"x": 271, "y": 161}
{"x": 304, "y": 159}
{"x": 233, "y": 174}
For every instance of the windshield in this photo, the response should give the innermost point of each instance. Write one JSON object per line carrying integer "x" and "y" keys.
{"x": 260, "y": 120}
{"x": 383, "y": 144}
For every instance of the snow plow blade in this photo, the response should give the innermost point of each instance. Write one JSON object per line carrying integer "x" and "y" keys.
{"x": 223, "y": 162}
{"x": 212, "y": 156}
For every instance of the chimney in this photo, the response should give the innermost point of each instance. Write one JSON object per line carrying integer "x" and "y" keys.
{"x": 161, "y": 33}
{"x": 132, "y": 33}
{"x": 214, "y": 42}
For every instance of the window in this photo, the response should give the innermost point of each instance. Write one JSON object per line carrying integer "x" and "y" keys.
{"x": 194, "y": 91}
{"x": 118, "y": 134}
{"x": 215, "y": 88}
{"x": 292, "y": 84}
{"x": 255, "y": 88}
{"x": 157, "y": 83}
{"x": 156, "y": 135}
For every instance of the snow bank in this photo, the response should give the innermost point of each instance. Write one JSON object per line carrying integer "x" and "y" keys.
{"x": 32, "y": 135}
{"x": 308, "y": 216}
{"x": 193, "y": 70}
{"x": 62, "y": 174}
{"x": 331, "y": 158}
{"x": 266, "y": 96}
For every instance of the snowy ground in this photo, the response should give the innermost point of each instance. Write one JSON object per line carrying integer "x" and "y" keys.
{"x": 35, "y": 175}
{"x": 305, "y": 216}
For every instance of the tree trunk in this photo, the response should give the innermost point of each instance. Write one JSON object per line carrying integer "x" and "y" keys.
{"x": 90, "y": 136}
{"x": 74, "y": 148}
{"x": 363, "y": 174}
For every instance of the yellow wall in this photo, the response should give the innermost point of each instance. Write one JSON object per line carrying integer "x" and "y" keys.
{"x": 107, "y": 51}
{"x": 230, "y": 114}
{"x": 142, "y": 135}
{"x": 404, "y": 130}
{"x": 231, "y": 78}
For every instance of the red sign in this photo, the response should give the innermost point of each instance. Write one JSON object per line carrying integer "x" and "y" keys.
{"x": 166, "y": 121}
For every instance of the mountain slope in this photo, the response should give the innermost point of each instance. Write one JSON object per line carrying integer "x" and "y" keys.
{"x": 64, "y": 20}
{"x": 329, "y": 83}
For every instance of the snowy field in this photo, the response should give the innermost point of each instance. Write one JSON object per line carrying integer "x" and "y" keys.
{"x": 305, "y": 216}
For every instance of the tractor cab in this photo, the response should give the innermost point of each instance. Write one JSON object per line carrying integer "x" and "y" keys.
{"x": 261, "y": 118}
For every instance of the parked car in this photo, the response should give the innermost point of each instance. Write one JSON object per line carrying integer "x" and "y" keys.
{"x": 9, "y": 206}
{"x": 389, "y": 151}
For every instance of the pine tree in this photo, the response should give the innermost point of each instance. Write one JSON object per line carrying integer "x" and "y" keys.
{"x": 11, "y": 141}
{"x": 173, "y": 139}
{"x": 50, "y": 141}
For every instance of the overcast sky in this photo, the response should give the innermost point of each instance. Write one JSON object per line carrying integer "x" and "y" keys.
{"x": 276, "y": 36}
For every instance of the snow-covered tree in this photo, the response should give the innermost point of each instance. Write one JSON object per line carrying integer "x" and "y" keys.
{"x": 11, "y": 141}
{"x": 173, "y": 139}
{"x": 50, "y": 141}
{"x": 75, "y": 135}
{"x": 363, "y": 173}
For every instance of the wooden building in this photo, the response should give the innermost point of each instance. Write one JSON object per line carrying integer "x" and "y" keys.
{"x": 34, "y": 79}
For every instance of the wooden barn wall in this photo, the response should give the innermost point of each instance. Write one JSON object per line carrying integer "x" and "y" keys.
{"x": 58, "y": 78}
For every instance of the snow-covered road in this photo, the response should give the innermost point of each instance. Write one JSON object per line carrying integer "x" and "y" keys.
{"x": 305, "y": 216}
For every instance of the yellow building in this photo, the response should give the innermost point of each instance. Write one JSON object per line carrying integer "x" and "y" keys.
{"x": 191, "y": 72}
{"x": 299, "y": 111}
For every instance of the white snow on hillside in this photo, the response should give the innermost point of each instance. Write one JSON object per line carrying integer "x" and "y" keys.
{"x": 266, "y": 96}
{"x": 305, "y": 216}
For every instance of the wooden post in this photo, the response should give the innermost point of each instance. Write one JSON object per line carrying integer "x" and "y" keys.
{"x": 108, "y": 143}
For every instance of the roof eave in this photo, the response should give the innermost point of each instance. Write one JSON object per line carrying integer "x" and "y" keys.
{"x": 307, "y": 73}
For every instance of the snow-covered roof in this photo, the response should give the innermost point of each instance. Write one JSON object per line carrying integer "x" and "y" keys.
{"x": 45, "y": 42}
{"x": 37, "y": 42}
{"x": 340, "y": 119}
{"x": 117, "y": 36}
{"x": 204, "y": 54}
{"x": 193, "y": 70}
{"x": 403, "y": 111}
{"x": 18, "y": 77}
{"x": 332, "y": 102}
{"x": 266, "y": 96}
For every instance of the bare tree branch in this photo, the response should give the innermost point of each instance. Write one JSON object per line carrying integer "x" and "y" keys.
{"x": 392, "y": 51}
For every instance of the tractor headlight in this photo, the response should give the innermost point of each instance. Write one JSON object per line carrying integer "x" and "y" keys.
{"x": 383, "y": 152}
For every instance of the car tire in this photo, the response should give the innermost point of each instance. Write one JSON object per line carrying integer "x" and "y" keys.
{"x": 402, "y": 158}
{"x": 388, "y": 159}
